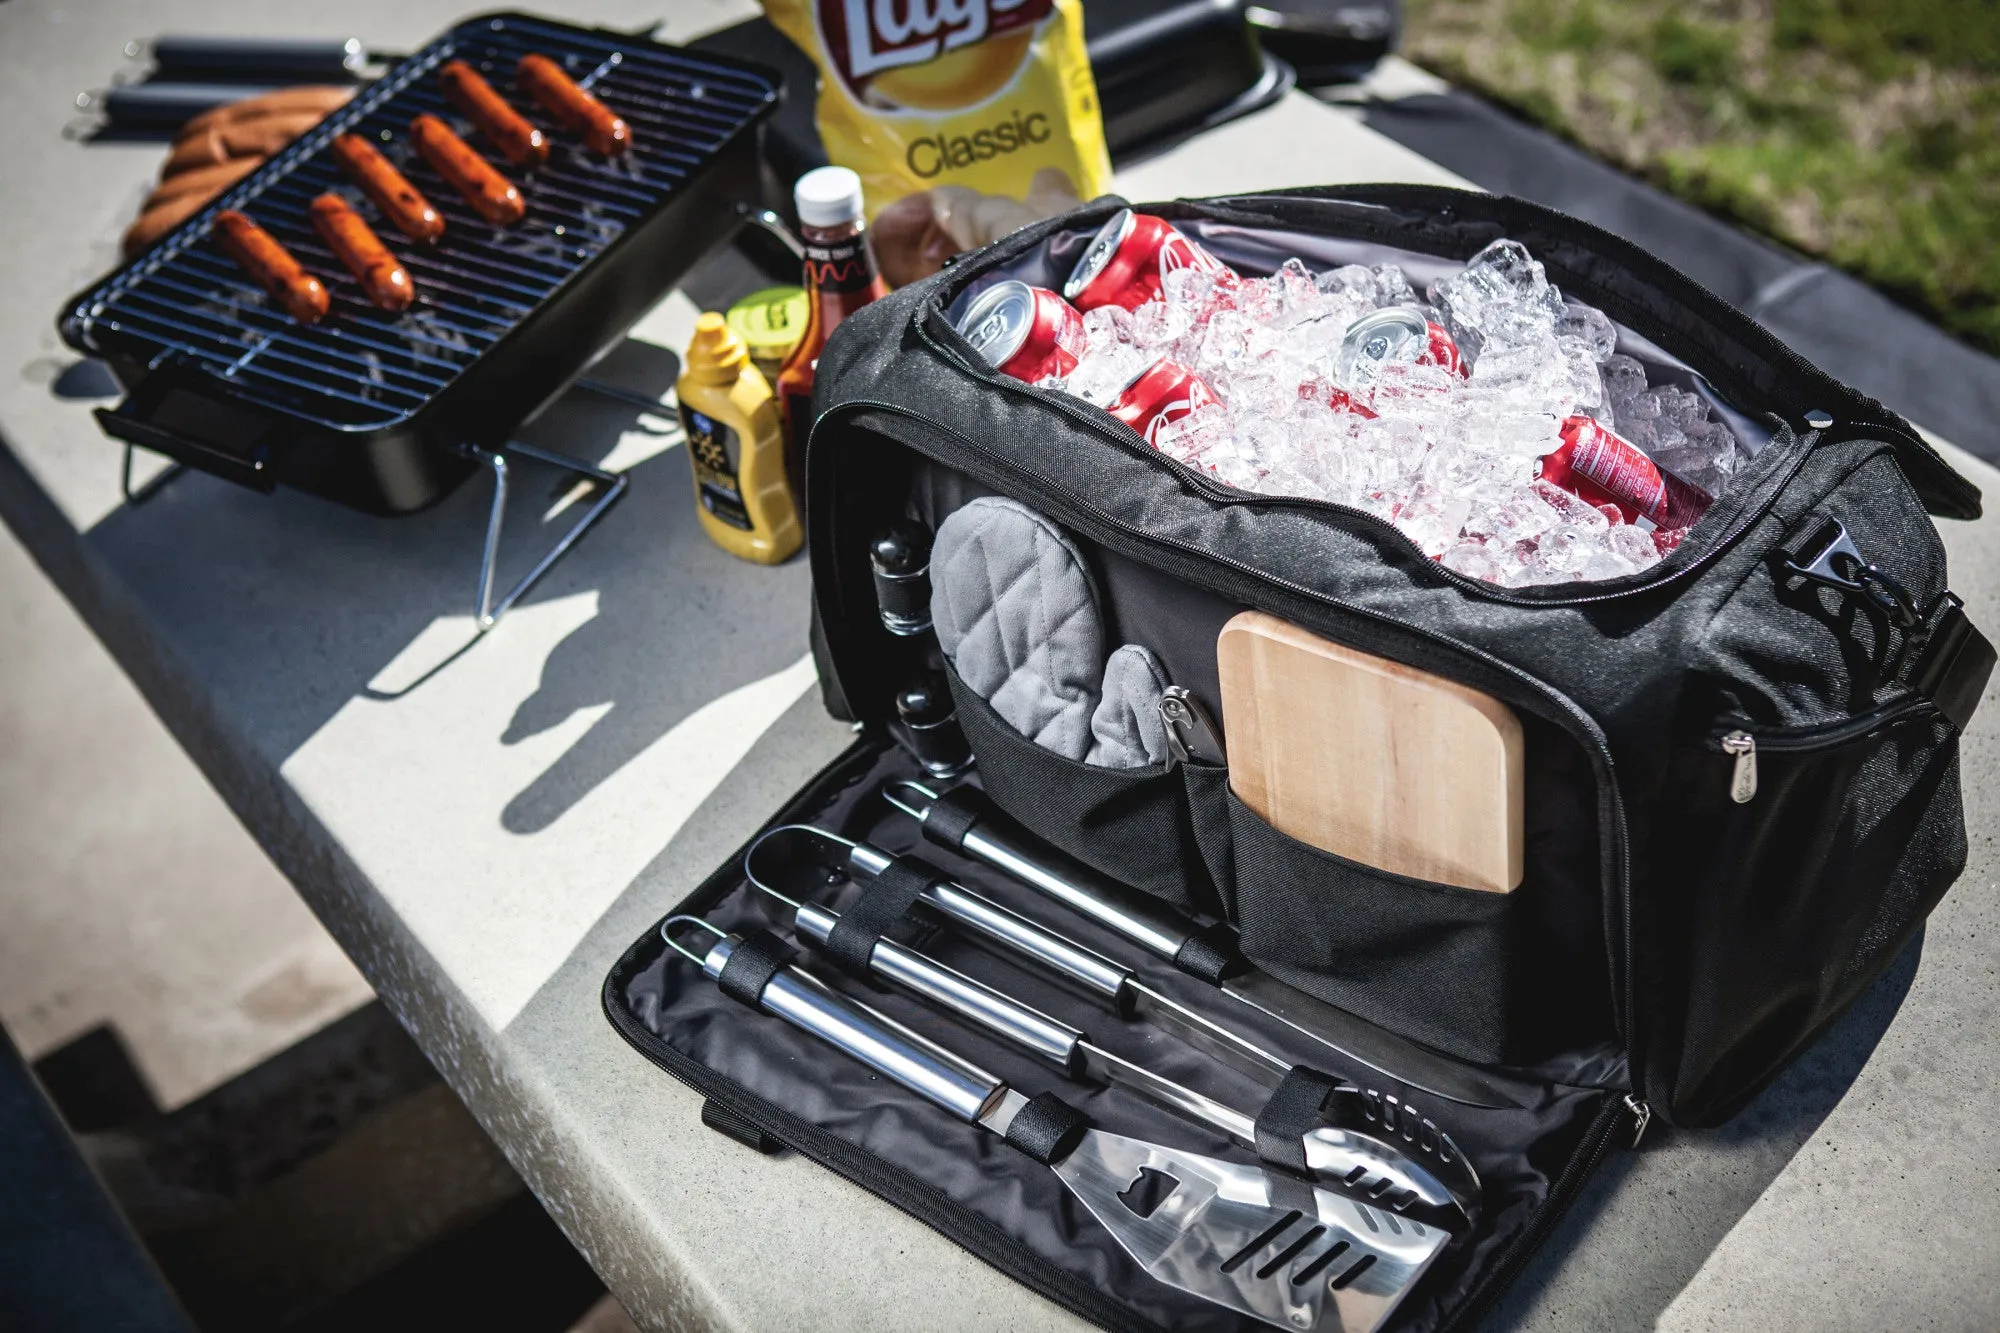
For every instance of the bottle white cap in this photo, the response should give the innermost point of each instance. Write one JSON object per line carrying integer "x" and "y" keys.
{"x": 828, "y": 196}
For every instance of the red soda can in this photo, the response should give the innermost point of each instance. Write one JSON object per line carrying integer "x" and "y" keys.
{"x": 1440, "y": 350}
{"x": 1340, "y": 400}
{"x": 1603, "y": 468}
{"x": 1128, "y": 260}
{"x": 1162, "y": 393}
{"x": 1396, "y": 335}
{"x": 1027, "y": 332}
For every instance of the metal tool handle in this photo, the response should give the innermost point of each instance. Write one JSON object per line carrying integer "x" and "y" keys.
{"x": 1078, "y": 889}
{"x": 958, "y": 1086}
{"x": 163, "y": 106}
{"x": 971, "y": 1000}
{"x": 334, "y": 59}
{"x": 1011, "y": 932}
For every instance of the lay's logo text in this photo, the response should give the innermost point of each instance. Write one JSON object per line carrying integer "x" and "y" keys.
{"x": 877, "y": 45}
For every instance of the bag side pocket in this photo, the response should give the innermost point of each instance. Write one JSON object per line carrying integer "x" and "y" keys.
{"x": 1130, "y": 824}
{"x": 1431, "y": 961}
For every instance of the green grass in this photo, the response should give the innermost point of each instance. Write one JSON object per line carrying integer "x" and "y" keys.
{"x": 1865, "y": 132}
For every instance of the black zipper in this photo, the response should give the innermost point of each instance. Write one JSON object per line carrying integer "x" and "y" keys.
{"x": 1823, "y": 736}
{"x": 1580, "y": 724}
{"x": 1582, "y": 1166}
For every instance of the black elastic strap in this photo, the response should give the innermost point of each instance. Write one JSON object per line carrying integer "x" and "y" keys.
{"x": 745, "y": 1131}
{"x": 1296, "y": 1109}
{"x": 884, "y": 902}
{"x": 751, "y": 966}
{"x": 952, "y": 816}
{"x": 906, "y": 596}
{"x": 1952, "y": 669}
{"x": 1047, "y": 1128}
{"x": 1211, "y": 954}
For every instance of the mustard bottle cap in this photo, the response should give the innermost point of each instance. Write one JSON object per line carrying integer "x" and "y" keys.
{"x": 716, "y": 355}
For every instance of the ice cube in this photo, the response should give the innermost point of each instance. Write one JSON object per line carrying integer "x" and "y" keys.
{"x": 1590, "y": 327}
{"x": 1474, "y": 560}
{"x": 1103, "y": 372}
{"x": 1452, "y": 461}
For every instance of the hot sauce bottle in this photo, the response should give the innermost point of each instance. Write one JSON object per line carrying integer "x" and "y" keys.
{"x": 840, "y": 279}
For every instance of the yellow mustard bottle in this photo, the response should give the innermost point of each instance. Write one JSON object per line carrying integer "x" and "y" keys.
{"x": 736, "y": 444}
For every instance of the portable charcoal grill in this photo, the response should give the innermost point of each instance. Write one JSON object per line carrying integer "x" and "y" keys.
{"x": 387, "y": 413}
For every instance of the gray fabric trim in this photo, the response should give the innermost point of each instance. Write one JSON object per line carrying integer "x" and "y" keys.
{"x": 1016, "y": 612}
{"x": 1126, "y": 729}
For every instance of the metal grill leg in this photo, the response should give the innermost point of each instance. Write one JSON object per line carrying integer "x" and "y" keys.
{"x": 612, "y": 485}
{"x": 151, "y": 488}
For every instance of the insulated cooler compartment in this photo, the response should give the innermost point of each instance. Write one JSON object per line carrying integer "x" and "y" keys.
{"x": 1496, "y": 978}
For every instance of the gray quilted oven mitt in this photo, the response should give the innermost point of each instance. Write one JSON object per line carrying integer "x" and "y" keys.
{"x": 1016, "y": 612}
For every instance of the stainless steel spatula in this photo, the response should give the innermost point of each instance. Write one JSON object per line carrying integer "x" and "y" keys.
{"x": 1311, "y": 1261}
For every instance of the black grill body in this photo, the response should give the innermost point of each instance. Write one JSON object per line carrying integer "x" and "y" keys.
{"x": 372, "y": 409}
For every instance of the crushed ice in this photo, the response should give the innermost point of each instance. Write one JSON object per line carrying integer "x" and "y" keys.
{"x": 1451, "y": 460}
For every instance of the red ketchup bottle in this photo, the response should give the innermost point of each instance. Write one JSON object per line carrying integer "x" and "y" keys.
{"x": 840, "y": 278}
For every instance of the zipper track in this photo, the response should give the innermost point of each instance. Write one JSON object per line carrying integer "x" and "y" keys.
{"x": 1576, "y": 1175}
{"x": 1582, "y": 725}
{"x": 1827, "y": 736}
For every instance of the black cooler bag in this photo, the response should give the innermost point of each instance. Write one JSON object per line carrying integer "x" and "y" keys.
{"x": 1677, "y": 938}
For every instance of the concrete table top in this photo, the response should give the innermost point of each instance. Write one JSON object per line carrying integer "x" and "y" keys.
{"x": 484, "y": 829}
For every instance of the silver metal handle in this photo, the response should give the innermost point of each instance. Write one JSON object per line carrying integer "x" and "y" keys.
{"x": 1012, "y": 932}
{"x": 956, "y": 1085}
{"x": 952, "y": 991}
{"x": 1080, "y": 890}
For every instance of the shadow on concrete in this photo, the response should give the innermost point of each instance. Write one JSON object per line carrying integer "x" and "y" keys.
{"x": 701, "y": 637}
{"x": 1642, "y": 1229}
{"x": 236, "y": 582}
{"x": 88, "y": 378}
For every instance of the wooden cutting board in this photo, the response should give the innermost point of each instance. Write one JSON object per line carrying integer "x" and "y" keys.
{"x": 1370, "y": 759}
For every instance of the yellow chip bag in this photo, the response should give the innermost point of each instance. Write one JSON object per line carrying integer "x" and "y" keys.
{"x": 976, "y": 94}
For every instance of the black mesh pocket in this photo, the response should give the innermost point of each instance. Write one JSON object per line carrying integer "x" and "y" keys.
{"x": 1431, "y": 961}
{"x": 1129, "y": 823}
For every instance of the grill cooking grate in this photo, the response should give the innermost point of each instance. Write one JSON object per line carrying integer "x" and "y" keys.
{"x": 361, "y": 368}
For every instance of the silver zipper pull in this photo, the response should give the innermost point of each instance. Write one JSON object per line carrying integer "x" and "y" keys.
{"x": 1743, "y": 785}
{"x": 1190, "y": 735}
{"x": 1642, "y": 1116}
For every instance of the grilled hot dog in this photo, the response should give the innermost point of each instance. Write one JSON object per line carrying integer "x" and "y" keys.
{"x": 400, "y": 201}
{"x": 258, "y": 137}
{"x": 543, "y": 79}
{"x": 356, "y": 245}
{"x": 491, "y": 195}
{"x": 316, "y": 99}
{"x": 180, "y": 199}
{"x": 504, "y": 127}
{"x": 258, "y": 253}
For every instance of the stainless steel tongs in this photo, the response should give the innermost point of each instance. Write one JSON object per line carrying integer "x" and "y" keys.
{"x": 1344, "y": 1157}
{"x": 1309, "y": 1260}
